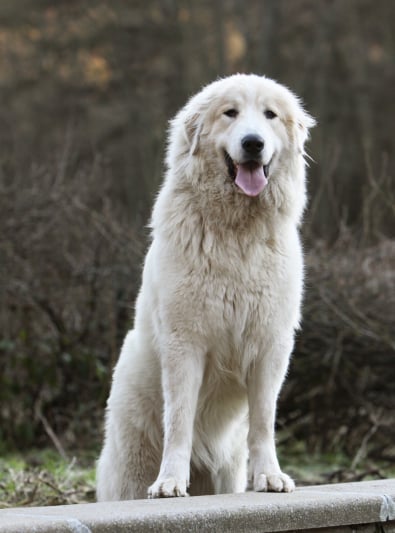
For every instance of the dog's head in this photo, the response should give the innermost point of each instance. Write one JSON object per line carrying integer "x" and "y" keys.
{"x": 241, "y": 131}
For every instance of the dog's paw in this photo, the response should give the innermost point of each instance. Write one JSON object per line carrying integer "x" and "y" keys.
{"x": 168, "y": 488}
{"x": 278, "y": 482}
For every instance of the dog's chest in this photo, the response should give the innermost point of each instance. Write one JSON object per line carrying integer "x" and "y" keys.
{"x": 240, "y": 300}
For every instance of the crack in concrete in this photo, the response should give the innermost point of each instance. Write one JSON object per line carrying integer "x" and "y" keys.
{"x": 387, "y": 509}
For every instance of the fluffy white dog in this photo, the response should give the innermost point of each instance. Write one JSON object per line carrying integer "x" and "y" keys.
{"x": 194, "y": 393}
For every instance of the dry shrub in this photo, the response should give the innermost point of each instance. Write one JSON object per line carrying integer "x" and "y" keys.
{"x": 67, "y": 282}
{"x": 340, "y": 392}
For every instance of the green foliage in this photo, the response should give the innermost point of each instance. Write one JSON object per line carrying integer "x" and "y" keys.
{"x": 43, "y": 478}
{"x": 311, "y": 468}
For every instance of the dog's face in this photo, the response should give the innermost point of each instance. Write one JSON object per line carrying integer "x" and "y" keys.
{"x": 246, "y": 126}
{"x": 249, "y": 135}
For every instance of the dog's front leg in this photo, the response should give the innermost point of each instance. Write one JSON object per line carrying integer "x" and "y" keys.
{"x": 264, "y": 384}
{"x": 182, "y": 373}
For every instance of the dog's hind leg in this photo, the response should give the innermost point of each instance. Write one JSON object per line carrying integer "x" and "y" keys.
{"x": 126, "y": 474}
{"x": 130, "y": 458}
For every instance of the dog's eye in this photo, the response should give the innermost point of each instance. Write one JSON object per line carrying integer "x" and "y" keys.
{"x": 232, "y": 113}
{"x": 270, "y": 114}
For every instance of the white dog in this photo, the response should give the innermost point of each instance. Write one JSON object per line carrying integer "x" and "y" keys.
{"x": 195, "y": 389}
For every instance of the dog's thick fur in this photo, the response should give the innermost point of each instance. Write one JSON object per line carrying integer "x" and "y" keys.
{"x": 195, "y": 388}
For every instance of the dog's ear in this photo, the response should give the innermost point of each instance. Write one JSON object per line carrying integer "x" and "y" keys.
{"x": 193, "y": 127}
{"x": 301, "y": 126}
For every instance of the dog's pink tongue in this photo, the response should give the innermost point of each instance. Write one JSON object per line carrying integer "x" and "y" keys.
{"x": 250, "y": 181}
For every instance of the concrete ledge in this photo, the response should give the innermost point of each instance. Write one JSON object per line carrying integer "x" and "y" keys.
{"x": 367, "y": 506}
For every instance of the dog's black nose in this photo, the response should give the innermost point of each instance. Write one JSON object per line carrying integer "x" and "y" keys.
{"x": 252, "y": 144}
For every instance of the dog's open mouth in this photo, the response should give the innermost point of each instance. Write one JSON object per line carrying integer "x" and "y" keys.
{"x": 250, "y": 176}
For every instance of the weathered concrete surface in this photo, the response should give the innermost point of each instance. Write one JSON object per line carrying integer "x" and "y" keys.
{"x": 367, "y": 506}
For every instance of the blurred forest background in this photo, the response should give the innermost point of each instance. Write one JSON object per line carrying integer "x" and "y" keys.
{"x": 86, "y": 90}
